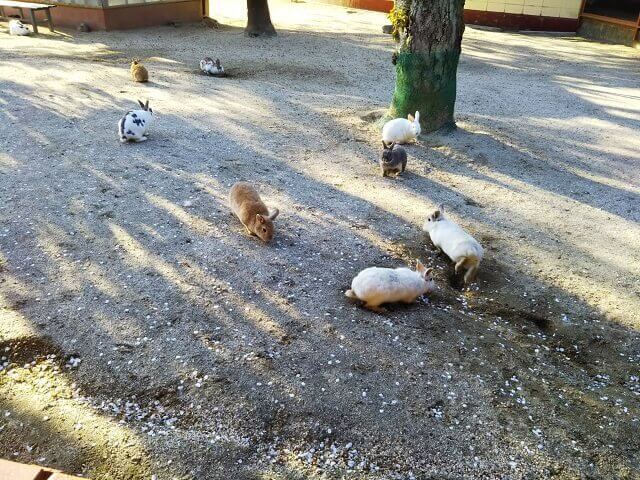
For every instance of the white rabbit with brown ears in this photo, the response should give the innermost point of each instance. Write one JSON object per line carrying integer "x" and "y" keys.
{"x": 459, "y": 246}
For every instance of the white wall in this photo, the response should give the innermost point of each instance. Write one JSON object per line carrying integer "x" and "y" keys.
{"x": 546, "y": 8}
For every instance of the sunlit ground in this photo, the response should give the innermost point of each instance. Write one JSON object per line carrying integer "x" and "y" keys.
{"x": 142, "y": 332}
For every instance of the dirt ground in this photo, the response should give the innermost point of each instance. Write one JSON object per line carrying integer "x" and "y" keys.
{"x": 143, "y": 335}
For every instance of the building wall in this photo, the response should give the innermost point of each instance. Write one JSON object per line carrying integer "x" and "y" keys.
{"x": 545, "y": 8}
{"x": 376, "y": 5}
{"x": 547, "y": 15}
{"x": 552, "y": 15}
{"x": 150, "y": 14}
{"x": 120, "y": 18}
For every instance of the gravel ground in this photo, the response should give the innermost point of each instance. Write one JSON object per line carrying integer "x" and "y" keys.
{"x": 144, "y": 333}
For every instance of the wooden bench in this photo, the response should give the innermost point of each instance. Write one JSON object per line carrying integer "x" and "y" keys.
{"x": 32, "y": 7}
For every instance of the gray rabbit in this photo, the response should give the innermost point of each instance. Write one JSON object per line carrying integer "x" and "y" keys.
{"x": 394, "y": 159}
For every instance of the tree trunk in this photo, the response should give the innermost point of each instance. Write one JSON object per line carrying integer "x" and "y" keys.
{"x": 258, "y": 19}
{"x": 427, "y": 60}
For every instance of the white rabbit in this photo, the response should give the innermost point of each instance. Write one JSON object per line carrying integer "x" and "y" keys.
{"x": 400, "y": 130}
{"x": 375, "y": 286}
{"x": 134, "y": 124}
{"x": 459, "y": 246}
{"x": 16, "y": 27}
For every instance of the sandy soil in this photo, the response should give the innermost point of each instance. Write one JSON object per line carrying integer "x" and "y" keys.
{"x": 143, "y": 333}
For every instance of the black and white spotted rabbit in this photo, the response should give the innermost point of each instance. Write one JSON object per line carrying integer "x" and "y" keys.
{"x": 133, "y": 126}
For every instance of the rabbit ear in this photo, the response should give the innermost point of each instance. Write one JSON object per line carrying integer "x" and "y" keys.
{"x": 393, "y": 144}
{"x": 419, "y": 266}
{"x": 441, "y": 208}
{"x": 141, "y": 104}
{"x": 417, "y": 116}
{"x": 384, "y": 145}
{"x": 428, "y": 272}
{"x": 410, "y": 118}
{"x": 146, "y": 105}
{"x": 274, "y": 214}
{"x": 260, "y": 218}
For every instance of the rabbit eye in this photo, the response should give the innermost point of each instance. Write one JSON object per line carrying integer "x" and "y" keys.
{"x": 264, "y": 230}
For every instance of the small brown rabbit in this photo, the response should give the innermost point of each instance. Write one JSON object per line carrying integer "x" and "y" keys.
{"x": 138, "y": 72}
{"x": 251, "y": 210}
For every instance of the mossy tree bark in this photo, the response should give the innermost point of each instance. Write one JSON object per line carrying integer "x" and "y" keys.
{"x": 259, "y": 19}
{"x": 427, "y": 60}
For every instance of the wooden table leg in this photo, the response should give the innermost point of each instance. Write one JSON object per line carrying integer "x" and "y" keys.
{"x": 33, "y": 21}
{"x": 48, "y": 10}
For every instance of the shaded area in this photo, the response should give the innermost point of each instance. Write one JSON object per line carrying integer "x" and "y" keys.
{"x": 202, "y": 347}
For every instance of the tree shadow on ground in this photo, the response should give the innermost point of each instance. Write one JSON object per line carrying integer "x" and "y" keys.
{"x": 170, "y": 294}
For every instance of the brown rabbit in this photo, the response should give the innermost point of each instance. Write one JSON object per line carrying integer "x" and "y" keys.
{"x": 138, "y": 72}
{"x": 251, "y": 210}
